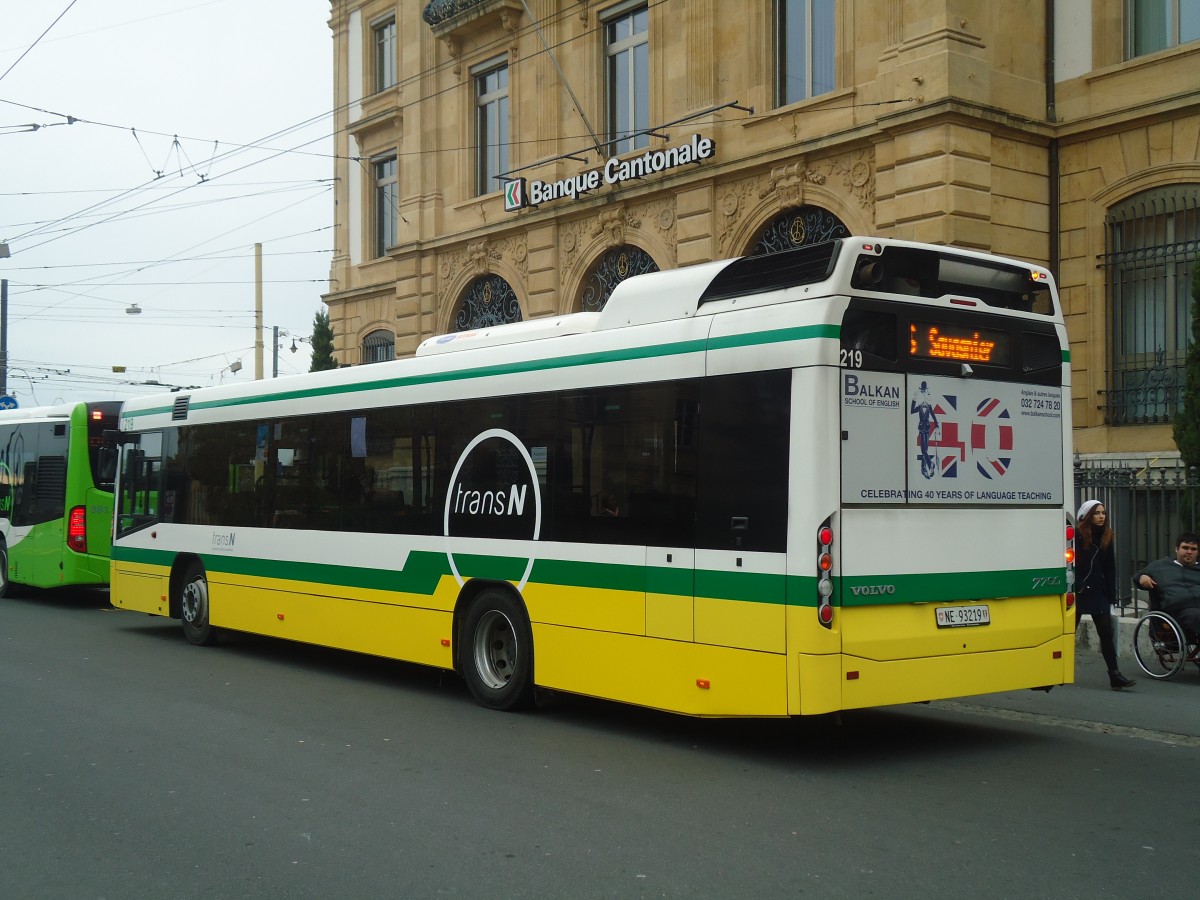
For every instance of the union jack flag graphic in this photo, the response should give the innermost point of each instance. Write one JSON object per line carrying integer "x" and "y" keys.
{"x": 992, "y": 438}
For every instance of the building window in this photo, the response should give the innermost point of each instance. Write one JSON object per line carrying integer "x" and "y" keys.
{"x": 797, "y": 228}
{"x": 627, "y": 48}
{"x": 489, "y": 300}
{"x": 379, "y": 346}
{"x": 1153, "y": 241}
{"x": 804, "y": 49}
{"x": 491, "y": 128}
{"x": 1155, "y": 25}
{"x": 385, "y": 54}
{"x": 387, "y": 204}
{"x": 610, "y": 270}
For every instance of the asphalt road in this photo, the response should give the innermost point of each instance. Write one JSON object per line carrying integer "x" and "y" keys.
{"x": 135, "y": 765}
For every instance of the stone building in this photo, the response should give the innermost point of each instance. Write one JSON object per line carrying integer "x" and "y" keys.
{"x": 500, "y": 160}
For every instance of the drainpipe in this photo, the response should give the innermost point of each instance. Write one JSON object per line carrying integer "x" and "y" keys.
{"x": 1055, "y": 220}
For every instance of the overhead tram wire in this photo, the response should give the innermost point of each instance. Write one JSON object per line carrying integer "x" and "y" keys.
{"x": 39, "y": 37}
{"x": 186, "y": 249}
{"x": 258, "y": 144}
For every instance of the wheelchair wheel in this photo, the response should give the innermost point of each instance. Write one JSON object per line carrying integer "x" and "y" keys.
{"x": 1159, "y": 645}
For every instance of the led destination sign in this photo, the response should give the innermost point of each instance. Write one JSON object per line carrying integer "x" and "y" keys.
{"x": 959, "y": 343}
{"x": 519, "y": 193}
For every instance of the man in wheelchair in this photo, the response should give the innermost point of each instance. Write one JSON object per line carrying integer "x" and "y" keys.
{"x": 1175, "y": 583}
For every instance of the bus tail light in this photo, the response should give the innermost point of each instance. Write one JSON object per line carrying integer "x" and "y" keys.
{"x": 77, "y": 529}
{"x": 824, "y": 581}
{"x": 1069, "y": 555}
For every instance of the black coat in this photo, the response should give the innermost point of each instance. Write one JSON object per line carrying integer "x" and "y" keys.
{"x": 1095, "y": 576}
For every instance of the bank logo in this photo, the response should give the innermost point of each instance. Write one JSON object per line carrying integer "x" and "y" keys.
{"x": 514, "y": 194}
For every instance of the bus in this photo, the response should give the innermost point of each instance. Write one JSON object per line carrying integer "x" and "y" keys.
{"x": 56, "y": 494}
{"x": 824, "y": 479}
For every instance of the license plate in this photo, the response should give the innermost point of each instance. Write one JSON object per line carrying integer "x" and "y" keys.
{"x": 962, "y": 616}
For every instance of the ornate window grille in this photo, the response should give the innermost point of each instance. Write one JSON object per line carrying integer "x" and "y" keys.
{"x": 1152, "y": 242}
{"x": 379, "y": 346}
{"x": 798, "y": 227}
{"x": 489, "y": 300}
{"x": 610, "y": 270}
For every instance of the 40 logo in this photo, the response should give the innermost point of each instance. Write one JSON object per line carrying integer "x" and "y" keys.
{"x": 944, "y": 442}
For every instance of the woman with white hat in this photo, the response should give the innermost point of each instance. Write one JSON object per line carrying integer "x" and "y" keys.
{"x": 1096, "y": 582}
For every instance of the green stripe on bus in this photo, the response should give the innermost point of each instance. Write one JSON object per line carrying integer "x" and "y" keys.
{"x": 583, "y": 359}
{"x": 424, "y": 569}
{"x": 938, "y": 587}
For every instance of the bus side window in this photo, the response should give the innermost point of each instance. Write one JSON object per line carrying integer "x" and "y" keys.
{"x": 26, "y": 489}
{"x": 141, "y": 486}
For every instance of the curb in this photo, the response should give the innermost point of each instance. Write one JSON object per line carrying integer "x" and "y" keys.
{"x": 1123, "y": 625}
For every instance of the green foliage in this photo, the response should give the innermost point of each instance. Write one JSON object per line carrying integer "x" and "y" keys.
{"x": 322, "y": 343}
{"x": 1187, "y": 419}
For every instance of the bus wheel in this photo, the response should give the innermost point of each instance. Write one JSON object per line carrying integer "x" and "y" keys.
{"x": 3, "y": 569}
{"x": 193, "y": 607}
{"x": 496, "y": 651}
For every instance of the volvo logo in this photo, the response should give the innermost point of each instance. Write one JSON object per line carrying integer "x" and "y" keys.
{"x": 873, "y": 590}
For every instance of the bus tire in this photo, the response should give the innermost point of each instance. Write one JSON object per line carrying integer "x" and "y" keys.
{"x": 496, "y": 651}
{"x": 3, "y": 569}
{"x": 193, "y": 607}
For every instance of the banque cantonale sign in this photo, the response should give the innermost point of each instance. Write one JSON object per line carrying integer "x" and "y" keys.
{"x": 519, "y": 193}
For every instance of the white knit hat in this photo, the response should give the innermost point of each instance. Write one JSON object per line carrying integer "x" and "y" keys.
{"x": 1087, "y": 507}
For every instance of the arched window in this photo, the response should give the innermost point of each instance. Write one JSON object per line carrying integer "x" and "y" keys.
{"x": 610, "y": 270}
{"x": 798, "y": 227}
{"x": 489, "y": 300}
{"x": 379, "y": 346}
{"x": 1152, "y": 242}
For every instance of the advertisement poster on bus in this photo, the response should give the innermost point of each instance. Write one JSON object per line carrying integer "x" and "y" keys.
{"x": 922, "y": 439}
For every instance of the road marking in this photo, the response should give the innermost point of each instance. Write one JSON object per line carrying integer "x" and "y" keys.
{"x": 1145, "y": 734}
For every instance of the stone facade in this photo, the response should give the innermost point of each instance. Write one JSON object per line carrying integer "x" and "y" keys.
{"x": 942, "y": 126}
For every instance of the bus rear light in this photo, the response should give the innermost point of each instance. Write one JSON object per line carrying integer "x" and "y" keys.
{"x": 1070, "y": 534}
{"x": 852, "y": 676}
{"x": 77, "y": 529}
{"x": 703, "y": 683}
{"x": 824, "y": 582}
{"x": 1070, "y": 555}
{"x": 1070, "y": 600}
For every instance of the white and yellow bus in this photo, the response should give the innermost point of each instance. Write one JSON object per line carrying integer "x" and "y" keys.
{"x": 825, "y": 479}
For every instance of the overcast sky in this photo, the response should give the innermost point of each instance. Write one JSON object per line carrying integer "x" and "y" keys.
{"x": 204, "y": 127}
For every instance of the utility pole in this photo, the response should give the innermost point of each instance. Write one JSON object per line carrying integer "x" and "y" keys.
{"x": 3, "y": 336}
{"x": 258, "y": 325}
{"x": 274, "y": 351}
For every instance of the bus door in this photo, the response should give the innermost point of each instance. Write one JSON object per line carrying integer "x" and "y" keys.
{"x": 741, "y": 521}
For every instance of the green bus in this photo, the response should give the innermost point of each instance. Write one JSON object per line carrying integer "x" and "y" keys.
{"x": 56, "y": 494}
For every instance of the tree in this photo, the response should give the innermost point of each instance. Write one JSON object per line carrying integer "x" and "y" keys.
{"x": 1187, "y": 419}
{"x": 322, "y": 343}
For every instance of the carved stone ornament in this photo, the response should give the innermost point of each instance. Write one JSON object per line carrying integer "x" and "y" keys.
{"x": 612, "y": 224}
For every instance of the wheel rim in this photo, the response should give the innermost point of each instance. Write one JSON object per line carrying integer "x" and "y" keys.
{"x": 1158, "y": 646}
{"x": 194, "y": 603}
{"x": 495, "y": 649}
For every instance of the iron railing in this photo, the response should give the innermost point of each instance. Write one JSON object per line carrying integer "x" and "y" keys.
{"x": 1148, "y": 504}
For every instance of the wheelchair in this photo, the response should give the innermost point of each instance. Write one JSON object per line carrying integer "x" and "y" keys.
{"x": 1160, "y": 644}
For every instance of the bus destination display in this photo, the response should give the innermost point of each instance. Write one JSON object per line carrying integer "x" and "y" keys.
{"x": 929, "y": 340}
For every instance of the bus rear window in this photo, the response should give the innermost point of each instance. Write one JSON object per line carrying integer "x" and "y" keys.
{"x": 928, "y": 273}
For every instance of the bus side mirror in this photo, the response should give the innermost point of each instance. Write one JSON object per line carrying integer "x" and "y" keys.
{"x": 110, "y": 437}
